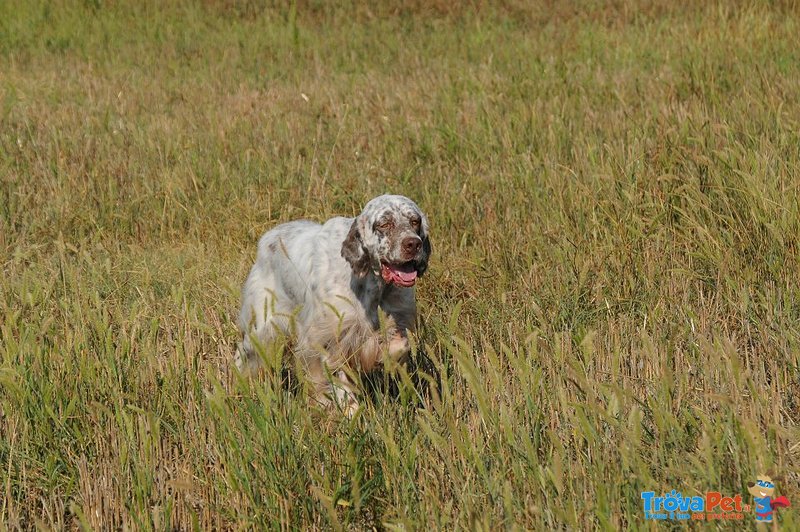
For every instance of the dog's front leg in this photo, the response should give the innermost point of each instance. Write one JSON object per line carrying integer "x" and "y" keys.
{"x": 330, "y": 386}
{"x": 399, "y": 348}
{"x": 388, "y": 342}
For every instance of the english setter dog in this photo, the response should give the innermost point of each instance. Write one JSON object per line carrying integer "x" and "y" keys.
{"x": 342, "y": 293}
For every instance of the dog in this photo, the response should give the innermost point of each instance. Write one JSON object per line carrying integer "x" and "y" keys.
{"x": 342, "y": 293}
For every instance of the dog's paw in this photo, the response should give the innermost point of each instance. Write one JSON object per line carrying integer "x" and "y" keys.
{"x": 246, "y": 361}
{"x": 398, "y": 348}
{"x": 351, "y": 408}
{"x": 239, "y": 360}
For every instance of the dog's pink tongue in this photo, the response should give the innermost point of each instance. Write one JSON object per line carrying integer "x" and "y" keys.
{"x": 394, "y": 275}
{"x": 406, "y": 277}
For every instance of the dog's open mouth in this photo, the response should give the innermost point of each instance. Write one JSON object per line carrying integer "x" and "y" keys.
{"x": 399, "y": 274}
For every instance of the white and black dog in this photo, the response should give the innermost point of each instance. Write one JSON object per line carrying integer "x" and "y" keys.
{"x": 342, "y": 293}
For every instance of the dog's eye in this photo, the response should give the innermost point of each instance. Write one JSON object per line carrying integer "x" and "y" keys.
{"x": 414, "y": 222}
{"x": 385, "y": 225}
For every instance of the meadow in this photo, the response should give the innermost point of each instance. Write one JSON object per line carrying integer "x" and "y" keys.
{"x": 612, "y": 305}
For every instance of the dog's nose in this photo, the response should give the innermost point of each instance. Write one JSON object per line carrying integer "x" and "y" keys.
{"x": 411, "y": 245}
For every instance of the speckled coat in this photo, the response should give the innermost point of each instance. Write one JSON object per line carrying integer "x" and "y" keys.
{"x": 320, "y": 287}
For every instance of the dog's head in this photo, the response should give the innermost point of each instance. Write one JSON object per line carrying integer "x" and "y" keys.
{"x": 389, "y": 239}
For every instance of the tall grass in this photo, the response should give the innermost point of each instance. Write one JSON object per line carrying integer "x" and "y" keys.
{"x": 612, "y": 305}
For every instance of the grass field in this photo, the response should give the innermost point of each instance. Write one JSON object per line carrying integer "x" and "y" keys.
{"x": 613, "y": 301}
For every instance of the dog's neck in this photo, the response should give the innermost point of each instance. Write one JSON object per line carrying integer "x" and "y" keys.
{"x": 369, "y": 291}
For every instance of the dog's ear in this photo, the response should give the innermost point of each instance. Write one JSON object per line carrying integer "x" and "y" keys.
{"x": 422, "y": 263}
{"x": 354, "y": 253}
